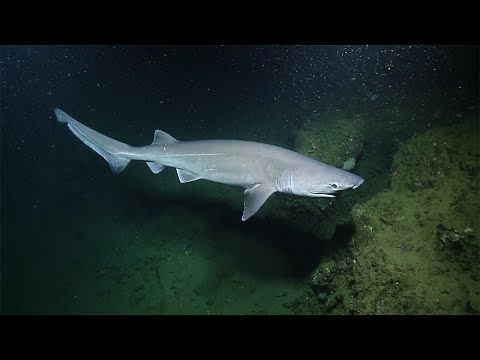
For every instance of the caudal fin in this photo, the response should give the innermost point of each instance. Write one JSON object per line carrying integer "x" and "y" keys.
{"x": 114, "y": 152}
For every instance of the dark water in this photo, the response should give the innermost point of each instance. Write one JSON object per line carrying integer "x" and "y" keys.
{"x": 78, "y": 239}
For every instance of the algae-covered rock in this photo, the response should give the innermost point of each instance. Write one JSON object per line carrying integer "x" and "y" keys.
{"x": 447, "y": 153}
{"x": 415, "y": 247}
{"x": 331, "y": 137}
{"x": 349, "y": 164}
{"x": 453, "y": 239}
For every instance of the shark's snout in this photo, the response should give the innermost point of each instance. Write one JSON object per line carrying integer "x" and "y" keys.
{"x": 360, "y": 182}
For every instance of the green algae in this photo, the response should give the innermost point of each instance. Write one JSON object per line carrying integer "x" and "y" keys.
{"x": 416, "y": 247}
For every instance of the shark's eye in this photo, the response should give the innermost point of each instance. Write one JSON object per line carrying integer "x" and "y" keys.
{"x": 333, "y": 185}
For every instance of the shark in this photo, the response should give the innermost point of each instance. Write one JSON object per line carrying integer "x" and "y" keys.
{"x": 261, "y": 169}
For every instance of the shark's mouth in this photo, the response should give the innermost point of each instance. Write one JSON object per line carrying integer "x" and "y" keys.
{"x": 319, "y": 194}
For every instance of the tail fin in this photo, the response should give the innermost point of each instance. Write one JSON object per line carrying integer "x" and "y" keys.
{"x": 114, "y": 152}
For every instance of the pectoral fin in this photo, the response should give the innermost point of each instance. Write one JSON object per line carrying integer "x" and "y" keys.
{"x": 254, "y": 198}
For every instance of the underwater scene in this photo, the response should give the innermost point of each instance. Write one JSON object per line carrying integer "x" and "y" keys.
{"x": 240, "y": 179}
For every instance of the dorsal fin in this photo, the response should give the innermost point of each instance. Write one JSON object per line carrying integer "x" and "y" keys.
{"x": 162, "y": 138}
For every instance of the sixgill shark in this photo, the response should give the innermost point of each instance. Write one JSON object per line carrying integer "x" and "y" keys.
{"x": 261, "y": 169}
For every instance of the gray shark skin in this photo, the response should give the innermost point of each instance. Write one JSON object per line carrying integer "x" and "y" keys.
{"x": 261, "y": 169}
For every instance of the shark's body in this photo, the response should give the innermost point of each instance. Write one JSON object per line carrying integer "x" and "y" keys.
{"x": 261, "y": 169}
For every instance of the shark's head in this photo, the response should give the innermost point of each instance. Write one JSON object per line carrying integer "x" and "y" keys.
{"x": 322, "y": 181}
